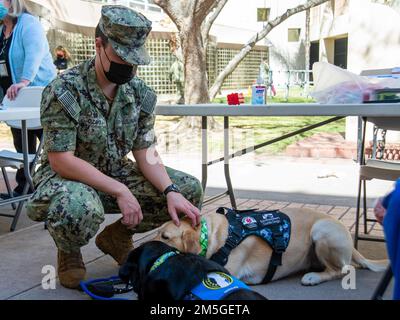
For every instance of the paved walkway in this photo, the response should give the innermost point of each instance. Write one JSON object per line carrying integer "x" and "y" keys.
{"x": 328, "y": 185}
{"x": 25, "y": 252}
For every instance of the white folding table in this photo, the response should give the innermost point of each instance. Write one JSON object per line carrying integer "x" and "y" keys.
{"x": 337, "y": 111}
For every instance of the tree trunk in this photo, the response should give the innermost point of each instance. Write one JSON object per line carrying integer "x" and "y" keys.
{"x": 189, "y": 16}
{"x": 307, "y": 54}
{"x": 194, "y": 57}
{"x": 196, "y": 84}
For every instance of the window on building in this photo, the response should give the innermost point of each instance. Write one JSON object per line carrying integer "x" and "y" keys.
{"x": 145, "y": 5}
{"x": 294, "y": 34}
{"x": 340, "y": 52}
{"x": 263, "y": 14}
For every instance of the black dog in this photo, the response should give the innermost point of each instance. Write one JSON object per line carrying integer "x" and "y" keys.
{"x": 174, "y": 278}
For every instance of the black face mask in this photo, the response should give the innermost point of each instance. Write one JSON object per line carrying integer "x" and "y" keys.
{"x": 60, "y": 56}
{"x": 119, "y": 73}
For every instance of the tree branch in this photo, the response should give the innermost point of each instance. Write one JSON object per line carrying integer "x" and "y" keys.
{"x": 253, "y": 40}
{"x": 207, "y": 24}
{"x": 174, "y": 10}
{"x": 203, "y": 8}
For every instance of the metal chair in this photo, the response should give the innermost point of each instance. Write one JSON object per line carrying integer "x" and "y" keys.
{"x": 374, "y": 169}
{"x": 29, "y": 96}
{"x": 383, "y": 284}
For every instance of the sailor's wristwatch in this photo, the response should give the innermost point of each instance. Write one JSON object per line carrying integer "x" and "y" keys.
{"x": 171, "y": 188}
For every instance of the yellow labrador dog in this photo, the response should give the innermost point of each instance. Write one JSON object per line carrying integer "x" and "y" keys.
{"x": 317, "y": 241}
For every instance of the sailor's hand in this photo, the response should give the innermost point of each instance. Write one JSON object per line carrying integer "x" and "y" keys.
{"x": 177, "y": 203}
{"x": 130, "y": 208}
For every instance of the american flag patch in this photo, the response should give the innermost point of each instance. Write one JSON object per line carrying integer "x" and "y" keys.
{"x": 149, "y": 101}
{"x": 70, "y": 104}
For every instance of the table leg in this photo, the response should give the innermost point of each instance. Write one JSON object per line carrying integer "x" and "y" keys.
{"x": 25, "y": 151}
{"x": 383, "y": 284}
{"x": 226, "y": 162}
{"x": 359, "y": 138}
{"x": 27, "y": 172}
{"x": 204, "y": 153}
{"x": 361, "y": 162}
{"x": 8, "y": 186}
{"x": 19, "y": 208}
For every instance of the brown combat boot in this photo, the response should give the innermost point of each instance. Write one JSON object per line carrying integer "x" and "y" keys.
{"x": 71, "y": 269}
{"x": 116, "y": 240}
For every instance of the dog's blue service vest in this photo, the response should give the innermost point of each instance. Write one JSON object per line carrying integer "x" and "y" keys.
{"x": 272, "y": 226}
{"x": 216, "y": 286}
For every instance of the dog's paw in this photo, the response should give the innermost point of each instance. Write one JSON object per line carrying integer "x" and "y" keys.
{"x": 311, "y": 279}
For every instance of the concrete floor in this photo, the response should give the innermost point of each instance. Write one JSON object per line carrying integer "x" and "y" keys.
{"x": 329, "y": 185}
{"x": 27, "y": 251}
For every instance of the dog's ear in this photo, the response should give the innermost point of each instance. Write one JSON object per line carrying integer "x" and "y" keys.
{"x": 157, "y": 290}
{"x": 129, "y": 270}
{"x": 190, "y": 241}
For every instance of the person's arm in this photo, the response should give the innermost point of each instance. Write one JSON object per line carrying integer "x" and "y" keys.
{"x": 59, "y": 124}
{"x": 33, "y": 43}
{"x": 150, "y": 164}
{"x": 149, "y": 161}
{"x": 70, "y": 167}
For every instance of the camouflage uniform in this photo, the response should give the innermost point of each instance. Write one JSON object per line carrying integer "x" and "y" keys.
{"x": 76, "y": 117}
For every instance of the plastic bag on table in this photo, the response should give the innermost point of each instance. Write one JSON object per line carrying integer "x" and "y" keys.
{"x": 333, "y": 84}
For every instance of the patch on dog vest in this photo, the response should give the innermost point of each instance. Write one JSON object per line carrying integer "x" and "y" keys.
{"x": 215, "y": 286}
{"x": 272, "y": 226}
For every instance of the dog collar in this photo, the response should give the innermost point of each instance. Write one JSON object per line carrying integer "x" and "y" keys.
{"x": 160, "y": 260}
{"x": 203, "y": 237}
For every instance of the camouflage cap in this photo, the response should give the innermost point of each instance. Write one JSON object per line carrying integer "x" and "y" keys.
{"x": 126, "y": 31}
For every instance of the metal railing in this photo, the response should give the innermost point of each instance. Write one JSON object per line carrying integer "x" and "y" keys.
{"x": 288, "y": 79}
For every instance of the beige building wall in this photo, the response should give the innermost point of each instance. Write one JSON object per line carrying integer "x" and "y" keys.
{"x": 376, "y": 38}
{"x": 325, "y": 28}
{"x": 284, "y": 54}
{"x": 373, "y": 32}
{"x": 372, "y": 28}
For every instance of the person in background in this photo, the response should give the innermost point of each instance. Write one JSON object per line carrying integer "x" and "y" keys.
{"x": 263, "y": 72}
{"x": 387, "y": 212}
{"x": 63, "y": 59}
{"x": 177, "y": 69}
{"x": 25, "y": 60}
{"x": 265, "y": 75}
{"x": 176, "y": 75}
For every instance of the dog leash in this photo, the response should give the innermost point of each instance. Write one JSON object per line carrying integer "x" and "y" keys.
{"x": 105, "y": 288}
